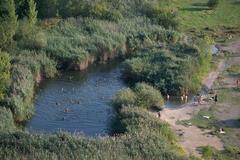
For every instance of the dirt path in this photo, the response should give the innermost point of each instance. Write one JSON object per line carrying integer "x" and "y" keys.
{"x": 192, "y": 137}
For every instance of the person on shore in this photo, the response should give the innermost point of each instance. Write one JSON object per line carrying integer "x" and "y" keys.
{"x": 199, "y": 97}
{"x": 168, "y": 97}
{"x": 215, "y": 98}
{"x": 182, "y": 98}
{"x": 159, "y": 114}
{"x": 186, "y": 98}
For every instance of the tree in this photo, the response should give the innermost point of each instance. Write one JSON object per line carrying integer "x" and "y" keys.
{"x": 212, "y": 3}
{"x": 32, "y": 13}
{"x": 5, "y": 78}
{"x": 8, "y": 19}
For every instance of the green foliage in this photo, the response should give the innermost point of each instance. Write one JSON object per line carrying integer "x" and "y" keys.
{"x": 142, "y": 95}
{"x": 172, "y": 68}
{"x": 28, "y": 68}
{"x": 32, "y": 13}
{"x": 35, "y": 41}
{"x": 125, "y": 97}
{"x": 212, "y": 3}
{"x": 210, "y": 153}
{"x": 165, "y": 17}
{"x": 5, "y": 78}
{"x": 6, "y": 120}
{"x": 22, "y": 88}
{"x": 145, "y": 138}
{"x": 8, "y": 21}
{"x": 147, "y": 96}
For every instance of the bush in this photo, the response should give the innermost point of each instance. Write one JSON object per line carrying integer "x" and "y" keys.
{"x": 142, "y": 95}
{"x": 125, "y": 97}
{"x": 6, "y": 120}
{"x": 21, "y": 93}
{"x": 5, "y": 78}
{"x": 212, "y": 3}
{"x": 35, "y": 41}
{"x": 148, "y": 97}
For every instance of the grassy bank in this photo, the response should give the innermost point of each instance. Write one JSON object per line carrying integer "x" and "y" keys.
{"x": 145, "y": 138}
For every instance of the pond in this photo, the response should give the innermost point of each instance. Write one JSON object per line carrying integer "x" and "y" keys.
{"x": 80, "y": 101}
{"x": 77, "y": 101}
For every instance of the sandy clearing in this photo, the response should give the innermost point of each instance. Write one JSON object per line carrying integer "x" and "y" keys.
{"x": 192, "y": 137}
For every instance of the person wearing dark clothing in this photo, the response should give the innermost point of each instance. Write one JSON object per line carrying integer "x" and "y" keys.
{"x": 215, "y": 98}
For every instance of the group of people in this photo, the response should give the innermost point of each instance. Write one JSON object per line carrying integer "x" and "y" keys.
{"x": 184, "y": 98}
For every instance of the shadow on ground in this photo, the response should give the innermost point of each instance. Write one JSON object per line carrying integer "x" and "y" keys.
{"x": 230, "y": 123}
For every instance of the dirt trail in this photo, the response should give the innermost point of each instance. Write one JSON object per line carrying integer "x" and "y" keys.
{"x": 192, "y": 137}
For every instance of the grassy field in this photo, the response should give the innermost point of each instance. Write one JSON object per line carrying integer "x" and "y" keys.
{"x": 194, "y": 14}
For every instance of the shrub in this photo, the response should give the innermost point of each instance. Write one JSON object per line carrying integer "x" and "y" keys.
{"x": 165, "y": 17}
{"x": 212, "y": 3}
{"x": 6, "y": 120}
{"x": 22, "y": 89}
{"x": 125, "y": 97}
{"x": 148, "y": 97}
{"x": 35, "y": 41}
{"x": 5, "y": 78}
{"x": 142, "y": 95}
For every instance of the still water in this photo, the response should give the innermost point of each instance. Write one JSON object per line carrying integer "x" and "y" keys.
{"x": 77, "y": 101}
{"x": 80, "y": 101}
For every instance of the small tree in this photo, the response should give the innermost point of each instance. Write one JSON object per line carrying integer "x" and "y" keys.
{"x": 32, "y": 13}
{"x": 8, "y": 19}
{"x": 4, "y": 73}
{"x": 212, "y": 3}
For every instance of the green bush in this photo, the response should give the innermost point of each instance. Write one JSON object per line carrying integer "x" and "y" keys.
{"x": 125, "y": 97}
{"x": 6, "y": 120}
{"x": 5, "y": 78}
{"x": 148, "y": 97}
{"x": 21, "y": 93}
{"x": 142, "y": 95}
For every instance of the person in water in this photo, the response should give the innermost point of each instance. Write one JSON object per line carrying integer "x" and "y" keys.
{"x": 168, "y": 97}
{"x": 182, "y": 98}
{"x": 186, "y": 98}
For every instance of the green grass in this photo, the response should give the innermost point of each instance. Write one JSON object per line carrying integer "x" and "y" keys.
{"x": 226, "y": 14}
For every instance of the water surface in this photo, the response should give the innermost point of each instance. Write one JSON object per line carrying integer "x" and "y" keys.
{"x": 77, "y": 101}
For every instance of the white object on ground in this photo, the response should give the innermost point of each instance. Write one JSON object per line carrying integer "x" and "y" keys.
{"x": 206, "y": 117}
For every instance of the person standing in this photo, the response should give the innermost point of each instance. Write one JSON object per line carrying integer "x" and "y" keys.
{"x": 215, "y": 98}
{"x": 186, "y": 98}
{"x": 168, "y": 97}
{"x": 159, "y": 114}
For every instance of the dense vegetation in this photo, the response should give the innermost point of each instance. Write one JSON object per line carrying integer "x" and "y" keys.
{"x": 142, "y": 95}
{"x": 39, "y": 38}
